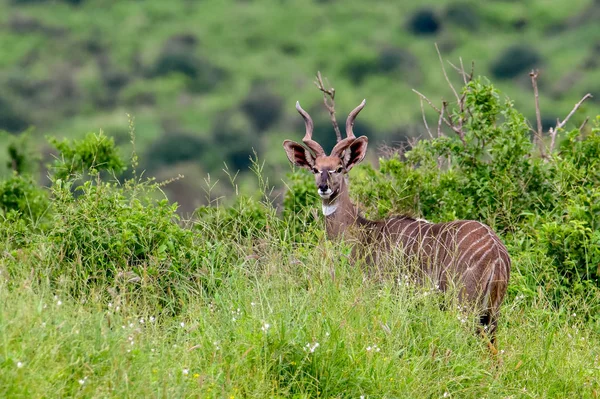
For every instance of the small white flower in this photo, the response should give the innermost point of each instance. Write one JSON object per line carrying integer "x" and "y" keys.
{"x": 311, "y": 348}
{"x": 131, "y": 325}
{"x": 83, "y": 380}
{"x": 19, "y": 365}
{"x": 265, "y": 327}
{"x": 59, "y": 303}
{"x": 44, "y": 324}
{"x": 446, "y": 394}
{"x": 252, "y": 303}
{"x": 110, "y": 304}
{"x": 182, "y": 324}
{"x": 152, "y": 319}
{"x": 152, "y": 350}
{"x": 327, "y": 334}
{"x": 142, "y": 320}
{"x": 185, "y": 371}
{"x": 574, "y": 314}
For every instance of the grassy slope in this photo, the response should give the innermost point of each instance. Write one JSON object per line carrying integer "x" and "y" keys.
{"x": 248, "y": 40}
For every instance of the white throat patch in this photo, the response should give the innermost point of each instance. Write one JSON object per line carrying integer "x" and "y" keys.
{"x": 329, "y": 209}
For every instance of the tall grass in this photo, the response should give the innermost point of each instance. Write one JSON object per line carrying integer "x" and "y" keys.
{"x": 296, "y": 320}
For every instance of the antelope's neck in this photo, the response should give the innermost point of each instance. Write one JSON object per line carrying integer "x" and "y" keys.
{"x": 340, "y": 213}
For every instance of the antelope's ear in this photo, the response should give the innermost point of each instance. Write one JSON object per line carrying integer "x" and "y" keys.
{"x": 355, "y": 152}
{"x": 298, "y": 155}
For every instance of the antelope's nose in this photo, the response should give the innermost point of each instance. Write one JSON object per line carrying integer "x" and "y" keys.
{"x": 323, "y": 187}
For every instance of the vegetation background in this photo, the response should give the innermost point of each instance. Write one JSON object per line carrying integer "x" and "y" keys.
{"x": 111, "y": 287}
{"x": 208, "y": 82}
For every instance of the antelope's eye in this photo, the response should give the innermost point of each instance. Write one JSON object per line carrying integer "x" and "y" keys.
{"x": 315, "y": 170}
{"x": 338, "y": 170}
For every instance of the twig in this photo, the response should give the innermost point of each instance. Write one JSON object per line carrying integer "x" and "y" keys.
{"x": 466, "y": 77}
{"x": 583, "y": 124}
{"x": 439, "y": 130}
{"x": 424, "y": 118}
{"x": 329, "y": 101}
{"x": 445, "y": 74}
{"x": 560, "y": 125}
{"x": 446, "y": 121}
{"x": 538, "y": 133}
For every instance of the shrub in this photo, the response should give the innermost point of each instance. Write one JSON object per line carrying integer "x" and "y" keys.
{"x": 236, "y": 138}
{"x": 21, "y": 195}
{"x": 515, "y": 60}
{"x": 464, "y": 15}
{"x": 262, "y": 107}
{"x": 11, "y": 119}
{"x": 178, "y": 56}
{"x": 424, "y": 22}
{"x": 174, "y": 147}
{"x": 394, "y": 58}
{"x": 95, "y": 153}
{"x": 358, "y": 67}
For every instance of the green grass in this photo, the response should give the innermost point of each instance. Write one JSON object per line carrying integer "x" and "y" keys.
{"x": 253, "y": 338}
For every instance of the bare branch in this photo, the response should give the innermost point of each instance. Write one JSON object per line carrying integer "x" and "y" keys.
{"x": 450, "y": 125}
{"x": 560, "y": 125}
{"x": 583, "y": 124}
{"x": 538, "y": 133}
{"x": 424, "y": 118}
{"x": 439, "y": 128}
{"x": 329, "y": 101}
{"x": 445, "y": 74}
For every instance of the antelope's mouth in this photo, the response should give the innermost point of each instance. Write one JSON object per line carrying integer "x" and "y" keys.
{"x": 325, "y": 194}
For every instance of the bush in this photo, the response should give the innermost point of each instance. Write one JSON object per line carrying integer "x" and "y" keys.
{"x": 357, "y": 68}
{"x": 178, "y": 56}
{"x": 515, "y": 60}
{"x": 11, "y": 119}
{"x": 263, "y": 107}
{"x": 393, "y": 59}
{"x": 175, "y": 147}
{"x": 21, "y": 195}
{"x": 464, "y": 15}
{"x": 95, "y": 153}
{"x": 424, "y": 22}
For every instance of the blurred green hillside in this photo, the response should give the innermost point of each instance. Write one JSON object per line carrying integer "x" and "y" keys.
{"x": 209, "y": 82}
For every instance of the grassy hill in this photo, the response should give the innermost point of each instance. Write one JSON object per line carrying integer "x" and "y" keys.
{"x": 209, "y": 81}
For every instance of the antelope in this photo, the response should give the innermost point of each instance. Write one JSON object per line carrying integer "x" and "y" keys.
{"x": 466, "y": 253}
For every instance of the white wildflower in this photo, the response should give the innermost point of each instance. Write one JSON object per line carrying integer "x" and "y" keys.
{"x": 185, "y": 371}
{"x": 311, "y": 347}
